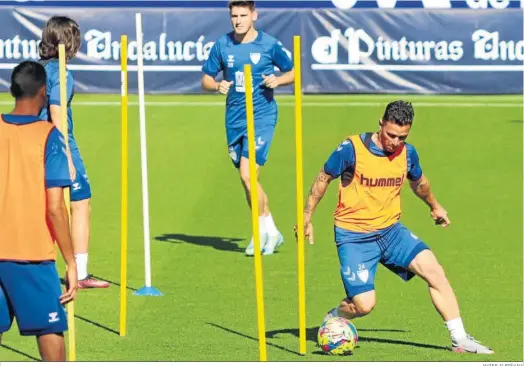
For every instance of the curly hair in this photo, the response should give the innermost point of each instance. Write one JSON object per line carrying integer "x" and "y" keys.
{"x": 399, "y": 112}
{"x": 59, "y": 29}
{"x": 249, "y": 4}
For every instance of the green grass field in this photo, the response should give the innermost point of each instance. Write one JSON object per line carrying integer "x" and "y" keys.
{"x": 470, "y": 149}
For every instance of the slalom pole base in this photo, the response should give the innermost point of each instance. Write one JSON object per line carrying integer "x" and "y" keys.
{"x": 148, "y": 291}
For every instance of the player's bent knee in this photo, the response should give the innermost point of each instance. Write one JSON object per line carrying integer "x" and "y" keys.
{"x": 364, "y": 303}
{"x": 426, "y": 266}
{"x": 364, "y": 308}
{"x": 437, "y": 277}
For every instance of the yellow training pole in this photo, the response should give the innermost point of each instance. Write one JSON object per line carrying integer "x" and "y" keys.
{"x": 254, "y": 212}
{"x": 63, "y": 119}
{"x": 300, "y": 197}
{"x": 123, "y": 213}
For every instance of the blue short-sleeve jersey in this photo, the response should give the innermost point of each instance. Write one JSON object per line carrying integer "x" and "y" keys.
{"x": 53, "y": 96}
{"x": 264, "y": 54}
{"x": 342, "y": 160}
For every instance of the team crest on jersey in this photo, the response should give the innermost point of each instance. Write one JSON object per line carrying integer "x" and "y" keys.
{"x": 255, "y": 57}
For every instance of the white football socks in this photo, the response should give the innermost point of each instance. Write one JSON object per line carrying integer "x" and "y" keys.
{"x": 262, "y": 226}
{"x": 456, "y": 328}
{"x": 81, "y": 265}
{"x": 270, "y": 226}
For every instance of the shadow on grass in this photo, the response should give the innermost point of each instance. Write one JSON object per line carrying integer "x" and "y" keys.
{"x": 253, "y": 338}
{"x": 311, "y": 335}
{"x": 218, "y": 243}
{"x": 98, "y": 325}
{"x": 19, "y": 352}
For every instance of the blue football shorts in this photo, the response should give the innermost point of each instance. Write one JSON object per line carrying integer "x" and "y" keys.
{"x": 30, "y": 292}
{"x": 359, "y": 254}
{"x": 238, "y": 144}
{"x": 80, "y": 189}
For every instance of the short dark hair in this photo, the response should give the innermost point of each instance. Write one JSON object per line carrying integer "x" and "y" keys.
{"x": 27, "y": 79}
{"x": 399, "y": 112}
{"x": 59, "y": 30}
{"x": 249, "y": 4}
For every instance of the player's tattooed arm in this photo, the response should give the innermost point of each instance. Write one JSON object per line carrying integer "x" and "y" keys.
{"x": 317, "y": 191}
{"x": 422, "y": 189}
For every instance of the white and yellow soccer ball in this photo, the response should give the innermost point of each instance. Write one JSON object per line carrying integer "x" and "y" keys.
{"x": 337, "y": 336}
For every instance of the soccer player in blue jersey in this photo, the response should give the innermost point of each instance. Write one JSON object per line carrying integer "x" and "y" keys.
{"x": 373, "y": 168}
{"x": 246, "y": 45}
{"x": 65, "y": 30}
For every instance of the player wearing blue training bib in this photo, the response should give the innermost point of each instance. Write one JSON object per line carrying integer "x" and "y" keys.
{"x": 65, "y": 30}
{"x": 246, "y": 45}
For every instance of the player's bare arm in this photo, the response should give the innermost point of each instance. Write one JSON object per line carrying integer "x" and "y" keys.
{"x": 56, "y": 119}
{"x": 273, "y": 81}
{"x": 316, "y": 192}
{"x": 422, "y": 189}
{"x": 58, "y": 217}
{"x": 210, "y": 84}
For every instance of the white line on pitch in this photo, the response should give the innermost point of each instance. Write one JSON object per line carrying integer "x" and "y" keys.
{"x": 287, "y": 104}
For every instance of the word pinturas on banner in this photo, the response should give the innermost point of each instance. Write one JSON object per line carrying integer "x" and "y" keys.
{"x": 487, "y": 46}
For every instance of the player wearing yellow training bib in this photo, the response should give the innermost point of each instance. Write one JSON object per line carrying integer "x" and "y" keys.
{"x": 372, "y": 168}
